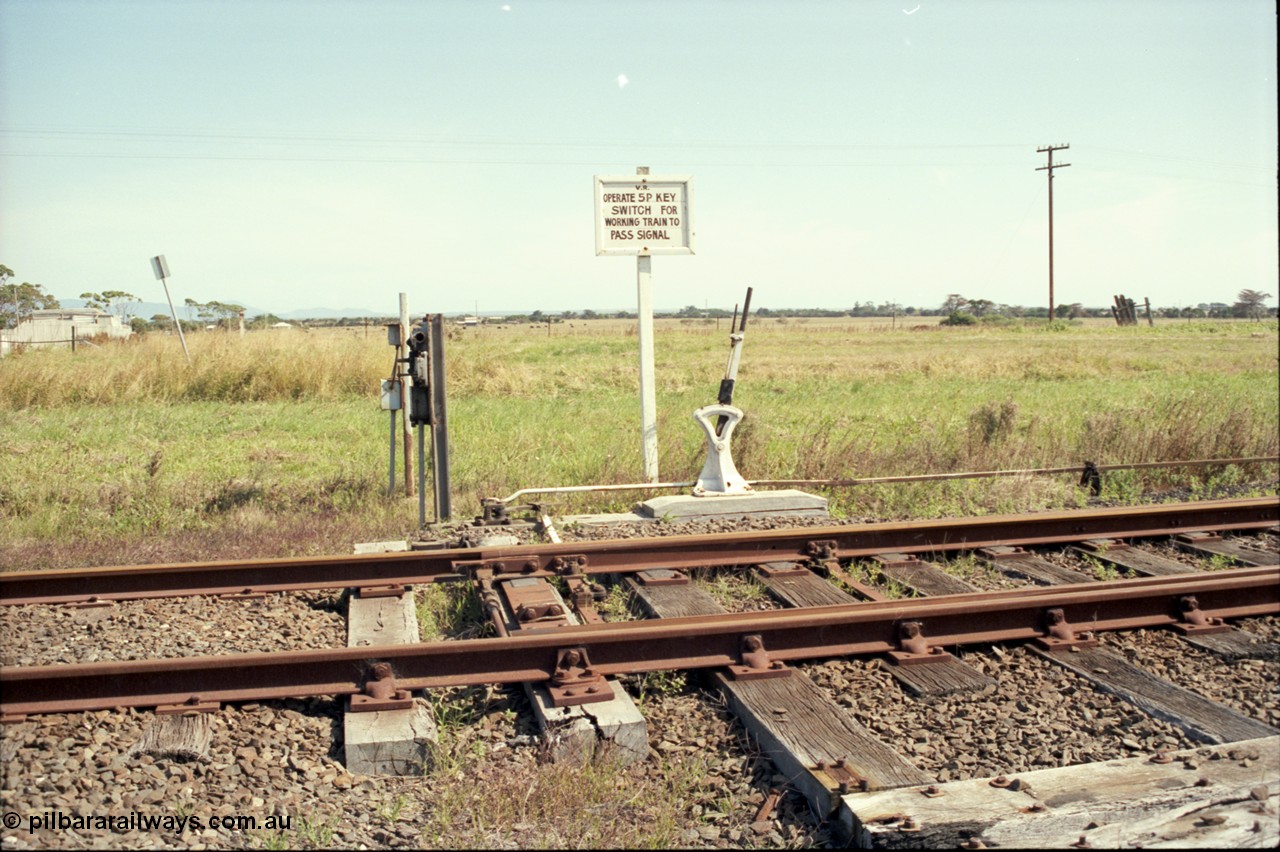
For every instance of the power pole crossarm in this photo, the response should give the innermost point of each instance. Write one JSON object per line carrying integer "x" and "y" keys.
{"x": 1049, "y": 167}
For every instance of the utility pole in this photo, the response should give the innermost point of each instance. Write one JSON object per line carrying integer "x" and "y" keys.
{"x": 1049, "y": 149}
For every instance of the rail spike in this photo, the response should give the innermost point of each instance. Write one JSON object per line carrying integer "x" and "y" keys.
{"x": 756, "y": 664}
{"x": 1194, "y": 620}
{"x": 914, "y": 649}
{"x": 380, "y": 692}
{"x": 1060, "y": 634}
{"x": 575, "y": 681}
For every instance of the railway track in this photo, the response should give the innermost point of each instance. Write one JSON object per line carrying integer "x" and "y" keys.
{"x": 746, "y": 654}
{"x": 245, "y": 577}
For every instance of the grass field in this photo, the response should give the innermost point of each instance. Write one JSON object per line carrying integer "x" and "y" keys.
{"x": 273, "y": 444}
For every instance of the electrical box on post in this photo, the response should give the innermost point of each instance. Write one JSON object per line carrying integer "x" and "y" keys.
{"x": 390, "y": 395}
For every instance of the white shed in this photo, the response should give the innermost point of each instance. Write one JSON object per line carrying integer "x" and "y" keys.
{"x": 60, "y": 326}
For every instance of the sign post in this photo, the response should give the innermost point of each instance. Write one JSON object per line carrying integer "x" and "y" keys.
{"x": 161, "y": 269}
{"x": 644, "y": 215}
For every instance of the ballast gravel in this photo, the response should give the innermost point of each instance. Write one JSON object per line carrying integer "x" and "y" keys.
{"x": 172, "y": 627}
{"x": 282, "y": 759}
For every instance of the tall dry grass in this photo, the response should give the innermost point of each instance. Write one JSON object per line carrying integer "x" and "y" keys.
{"x": 276, "y": 365}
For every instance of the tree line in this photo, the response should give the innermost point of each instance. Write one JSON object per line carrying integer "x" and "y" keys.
{"x": 17, "y": 301}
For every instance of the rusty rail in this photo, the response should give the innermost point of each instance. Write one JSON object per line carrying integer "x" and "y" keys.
{"x": 631, "y": 555}
{"x": 638, "y": 646}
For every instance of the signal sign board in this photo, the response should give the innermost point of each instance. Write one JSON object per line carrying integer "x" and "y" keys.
{"x": 644, "y": 214}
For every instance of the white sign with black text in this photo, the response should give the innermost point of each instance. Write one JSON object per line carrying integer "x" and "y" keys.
{"x": 644, "y": 214}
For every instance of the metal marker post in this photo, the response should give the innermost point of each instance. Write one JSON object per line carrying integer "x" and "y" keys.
{"x": 161, "y": 269}
{"x": 645, "y": 215}
{"x": 439, "y": 422}
{"x": 648, "y": 395}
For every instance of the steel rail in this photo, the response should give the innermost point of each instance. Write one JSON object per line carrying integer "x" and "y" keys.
{"x": 631, "y": 555}
{"x": 638, "y": 646}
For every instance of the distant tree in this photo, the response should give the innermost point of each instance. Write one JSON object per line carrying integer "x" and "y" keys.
{"x": 225, "y": 312}
{"x": 17, "y": 301}
{"x": 116, "y": 302}
{"x": 1250, "y": 303}
{"x": 537, "y": 316}
{"x": 954, "y": 304}
{"x": 262, "y": 321}
{"x": 589, "y": 314}
{"x": 221, "y": 313}
{"x": 981, "y": 307}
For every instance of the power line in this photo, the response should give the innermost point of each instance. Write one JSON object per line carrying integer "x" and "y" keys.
{"x": 630, "y": 145}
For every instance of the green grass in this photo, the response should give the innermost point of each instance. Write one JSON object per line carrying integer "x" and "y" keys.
{"x": 274, "y": 432}
{"x": 450, "y": 610}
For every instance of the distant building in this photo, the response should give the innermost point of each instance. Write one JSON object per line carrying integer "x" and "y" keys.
{"x": 469, "y": 321}
{"x": 60, "y": 326}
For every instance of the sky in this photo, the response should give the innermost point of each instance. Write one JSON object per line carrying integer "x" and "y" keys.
{"x": 290, "y": 155}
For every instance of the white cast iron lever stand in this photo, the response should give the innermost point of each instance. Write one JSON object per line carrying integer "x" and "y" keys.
{"x": 719, "y": 476}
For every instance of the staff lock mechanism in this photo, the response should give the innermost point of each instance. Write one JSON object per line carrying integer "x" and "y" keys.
{"x": 719, "y": 474}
